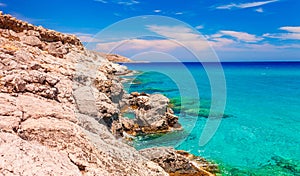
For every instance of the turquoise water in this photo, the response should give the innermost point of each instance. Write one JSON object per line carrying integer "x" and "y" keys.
{"x": 261, "y": 132}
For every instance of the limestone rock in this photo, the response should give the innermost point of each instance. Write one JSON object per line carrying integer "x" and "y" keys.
{"x": 35, "y": 108}
{"x": 117, "y": 91}
{"x": 114, "y": 57}
{"x": 31, "y": 40}
{"x": 152, "y": 114}
{"x": 91, "y": 152}
{"x": 19, "y": 157}
{"x": 11, "y": 23}
{"x": 57, "y": 49}
{"x": 120, "y": 69}
{"x": 10, "y": 115}
{"x": 179, "y": 162}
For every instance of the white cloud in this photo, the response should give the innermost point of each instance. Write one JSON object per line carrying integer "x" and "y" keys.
{"x": 122, "y": 2}
{"x": 186, "y": 37}
{"x": 269, "y": 47}
{"x": 295, "y": 29}
{"x": 102, "y": 1}
{"x": 157, "y": 11}
{"x": 259, "y": 10}
{"x": 199, "y": 27}
{"x": 221, "y": 42}
{"x": 181, "y": 33}
{"x": 177, "y": 37}
{"x": 2, "y": 5}
{"x": 242, "y": 36}
{"x": 293, "y": 33}
{"x": 128, "y": 3}
{"x": 138, "y": 44}
{"x": 178, "y": 13}
{"x": 245, "y": 5}
{"x": 284, "y": 36}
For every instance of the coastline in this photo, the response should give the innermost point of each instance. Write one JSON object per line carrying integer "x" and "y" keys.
{"x": 58, "y": 106}
{"x": 238, "y": 130}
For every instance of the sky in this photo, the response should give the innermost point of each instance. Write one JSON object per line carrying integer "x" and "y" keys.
{"x": 233, "y": 30}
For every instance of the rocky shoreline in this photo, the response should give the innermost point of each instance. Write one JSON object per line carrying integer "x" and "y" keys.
{"x": 61, "y": 111}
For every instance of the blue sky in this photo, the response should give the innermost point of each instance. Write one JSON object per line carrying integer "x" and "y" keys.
{"x": 243, "y": 30}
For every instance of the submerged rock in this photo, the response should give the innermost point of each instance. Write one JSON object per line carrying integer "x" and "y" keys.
{"x": 275, "y": 166}
{"x": 190, "y": 107}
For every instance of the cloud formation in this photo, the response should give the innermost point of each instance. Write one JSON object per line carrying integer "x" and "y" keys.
{"x": 284, "y": 36}
{"x": 292, "y": 33}
{"x": 178, "y": 13}
{"x": 126, "y": 3}
{"x": 241, "y": 36}
{"x": 137, "y": 45}
{"x": 180, "y": 33}
{"x": 176, "y": 39}
{"x": 245, "y": 5}
{"x": 102, "y": 1}
{"x": 295, "y": 29}
{"x": 171, "y": 38}
{"x": 259, "y": 10}
{"x": 199, "y": 27}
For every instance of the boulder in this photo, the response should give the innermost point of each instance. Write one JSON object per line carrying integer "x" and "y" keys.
{"x": 32, "y": 41}
{"x": 153, "y": 114}
{"x": 179, "y": 162}
{"x": 57, "y": 49}
{"x": 114, "y": 57}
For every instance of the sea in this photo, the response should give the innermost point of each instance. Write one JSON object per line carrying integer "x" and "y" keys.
{"x": 258, "y": 130}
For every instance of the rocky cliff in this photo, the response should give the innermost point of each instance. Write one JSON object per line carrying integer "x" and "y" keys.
{"x": 42, "y": 132}
{"x": 59, "y": 104}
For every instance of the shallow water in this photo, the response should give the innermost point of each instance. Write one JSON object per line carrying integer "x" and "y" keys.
{"x": 261, "y": 132}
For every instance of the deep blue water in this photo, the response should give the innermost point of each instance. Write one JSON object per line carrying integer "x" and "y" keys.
{"x": 261, "y": 132}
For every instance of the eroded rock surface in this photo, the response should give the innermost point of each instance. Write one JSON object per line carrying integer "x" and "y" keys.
{"x": 20, "y": 157}
{"x": 180, "y": 162}
{"x": 115, "y": 57}
{"x": 152, "y": 114}
{"x": 44, "y": 127}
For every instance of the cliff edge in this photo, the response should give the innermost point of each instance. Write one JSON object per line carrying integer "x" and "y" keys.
{"x": 41, "y": 130}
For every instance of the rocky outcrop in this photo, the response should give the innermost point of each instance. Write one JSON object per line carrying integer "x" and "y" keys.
{"x": 180, "y": 162}
{"x": 152, "y": 114}
{"x": 44, "y": 128}
{"x": 115, "y": 58}
{"x": 34, "y": 34}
